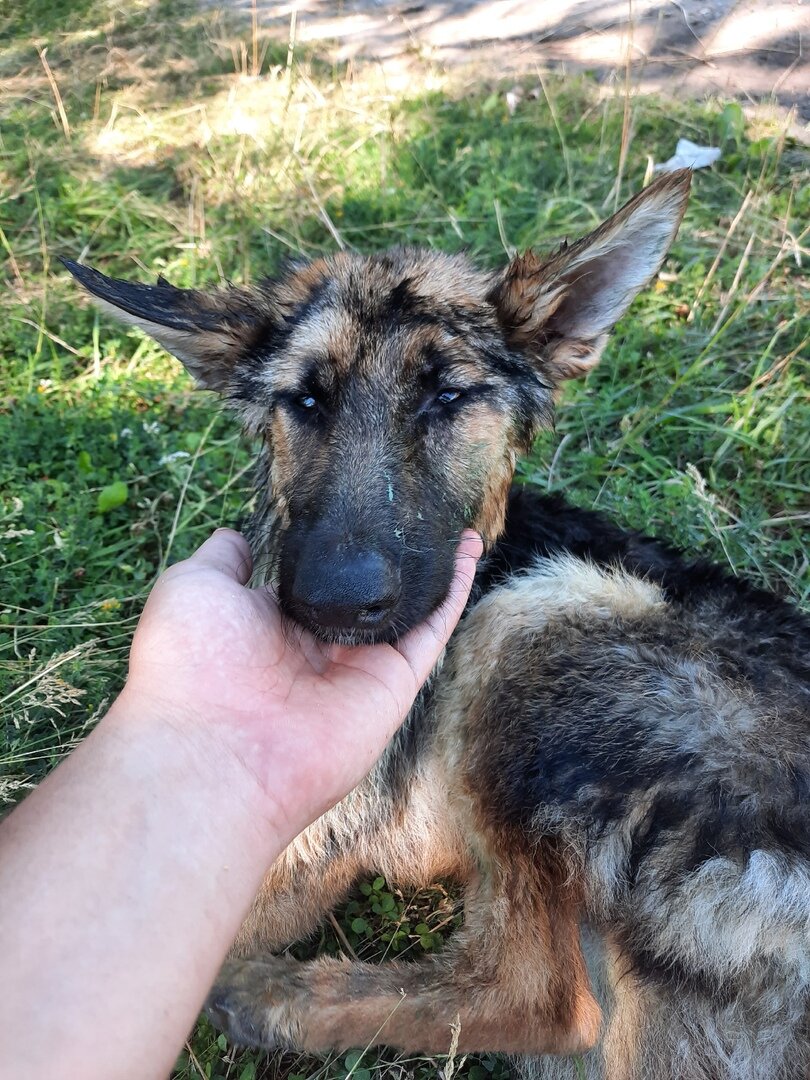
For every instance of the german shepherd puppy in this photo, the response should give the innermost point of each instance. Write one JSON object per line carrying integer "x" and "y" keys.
{"x": 614, "y": 757}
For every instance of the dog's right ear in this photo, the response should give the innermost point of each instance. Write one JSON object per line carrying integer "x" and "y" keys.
{"x": 207, "y": 331}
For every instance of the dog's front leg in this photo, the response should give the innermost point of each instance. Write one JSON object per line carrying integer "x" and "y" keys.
{"x": 403, "y": 831}
{"x": 512, "y": 981}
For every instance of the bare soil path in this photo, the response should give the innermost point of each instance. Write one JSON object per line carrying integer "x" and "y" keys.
{"x": 754, "y": 50}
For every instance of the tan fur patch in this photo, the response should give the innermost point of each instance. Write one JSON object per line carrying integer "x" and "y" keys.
{"x": 557, "y": 588}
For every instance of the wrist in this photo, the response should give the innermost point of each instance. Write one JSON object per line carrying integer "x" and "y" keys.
{"x": 188, "y": 752}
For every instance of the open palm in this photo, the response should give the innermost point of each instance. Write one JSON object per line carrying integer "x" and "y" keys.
{"x": 307, "y": 720}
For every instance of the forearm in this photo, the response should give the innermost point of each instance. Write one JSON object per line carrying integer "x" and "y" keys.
{"x": 124, "y": 879}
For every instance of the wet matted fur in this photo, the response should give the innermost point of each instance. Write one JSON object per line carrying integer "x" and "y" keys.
{"x": 613, "y": 757}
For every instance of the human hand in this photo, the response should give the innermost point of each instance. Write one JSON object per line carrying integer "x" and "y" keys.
{"x": 128, "y": 872}
{"x": 307, "y": 720}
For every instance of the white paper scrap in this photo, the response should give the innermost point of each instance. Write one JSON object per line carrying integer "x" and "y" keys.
{"x": 689, "y": 155}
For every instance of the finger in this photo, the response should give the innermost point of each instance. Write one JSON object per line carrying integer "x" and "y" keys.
{"x": 227, "y": 551}
{"x": 423, "y": 645}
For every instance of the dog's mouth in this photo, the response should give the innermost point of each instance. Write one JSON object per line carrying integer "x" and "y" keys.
{"x": 353, "y": 638}
{"x": 366, "y": 628}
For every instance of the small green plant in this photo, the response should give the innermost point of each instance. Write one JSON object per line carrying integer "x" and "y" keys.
{"x": 112, "y": 496}
{"x": 398, "y": 924}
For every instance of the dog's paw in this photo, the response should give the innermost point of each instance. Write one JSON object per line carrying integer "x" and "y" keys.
{"x": 253, "y": 1002}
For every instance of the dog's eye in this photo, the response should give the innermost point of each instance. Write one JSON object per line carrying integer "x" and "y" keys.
{"x": 303, "y": 404}
{"x": 448, "y": 396}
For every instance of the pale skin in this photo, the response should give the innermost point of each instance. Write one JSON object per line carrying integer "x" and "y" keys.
{"x": 126, "y": 875}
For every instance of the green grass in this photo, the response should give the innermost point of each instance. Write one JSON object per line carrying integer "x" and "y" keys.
{"x": 160, "y": 153}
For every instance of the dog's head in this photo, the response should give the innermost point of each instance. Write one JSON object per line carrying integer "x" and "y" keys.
{"x": 394, "y": 393}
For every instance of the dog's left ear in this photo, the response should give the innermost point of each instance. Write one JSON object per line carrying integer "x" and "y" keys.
{"x": 560, "y": 309}
{"x": 209, "y": 331}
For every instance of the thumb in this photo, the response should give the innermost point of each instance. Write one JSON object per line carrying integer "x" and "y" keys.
{"x": 227, "y": 551}
{"x": 423, "y": 645}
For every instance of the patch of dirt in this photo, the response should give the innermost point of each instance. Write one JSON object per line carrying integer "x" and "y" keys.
{"x": 749, "y": 49}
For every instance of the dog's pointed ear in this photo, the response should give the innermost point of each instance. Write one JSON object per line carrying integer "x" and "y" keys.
{"x": 561, "y": 308}
{"x": 207, "y": 331}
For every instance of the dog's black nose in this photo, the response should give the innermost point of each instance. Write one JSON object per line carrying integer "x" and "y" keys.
{"x": 351, "y": 591}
